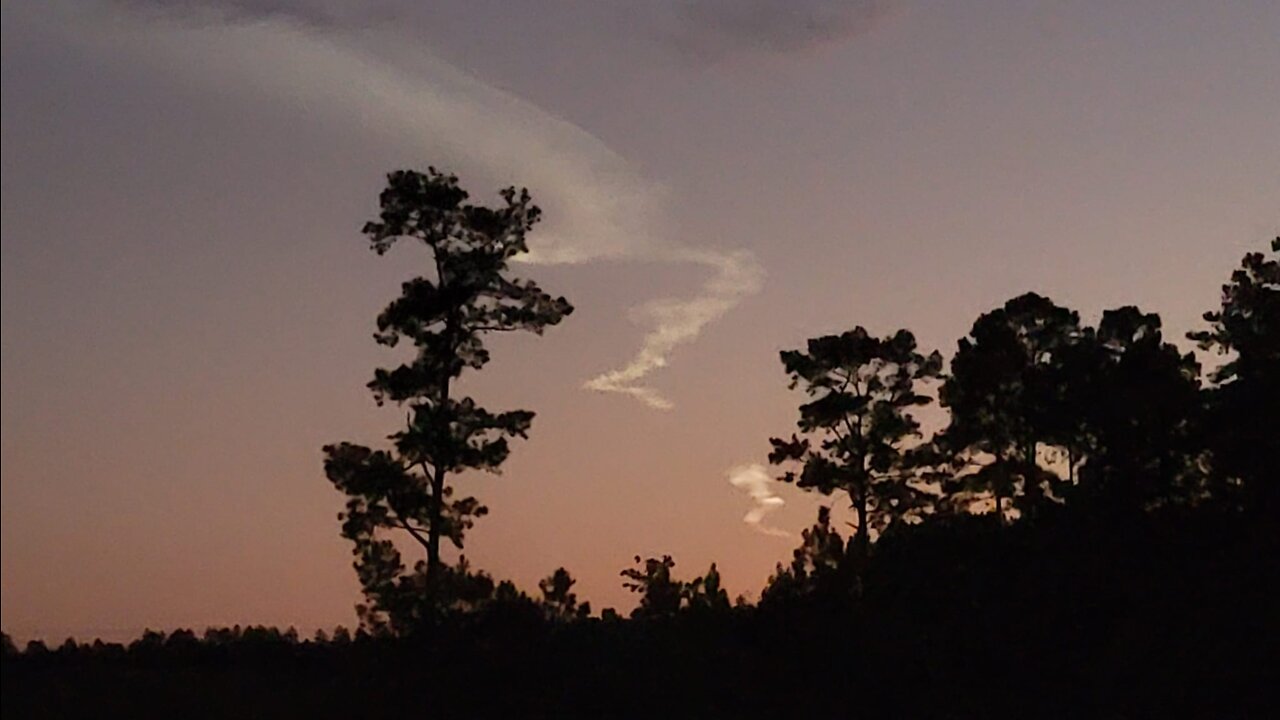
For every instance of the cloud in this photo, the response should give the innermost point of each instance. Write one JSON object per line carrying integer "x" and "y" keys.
{"x": 317, "y": 13}
{"x": 710, "y": 30}
{"x": 735, "y": 275}
{"x": 754, "y": 479}
{"x": 381, "y": 79}
{"x": 704, "y": 30}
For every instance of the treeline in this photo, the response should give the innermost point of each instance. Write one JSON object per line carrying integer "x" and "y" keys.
{"x": 1045, "y": 412}
{"x": 1092, "y": 531}
{"x": 1172, "y": 615}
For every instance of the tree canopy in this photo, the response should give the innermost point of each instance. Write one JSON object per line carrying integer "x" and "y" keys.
{"x": 446, "y": 317}
{"x": 853, "y": 430}
{"x": 1244, "y": 405}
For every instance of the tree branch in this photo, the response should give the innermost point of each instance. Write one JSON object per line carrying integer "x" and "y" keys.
{"x": 492, "y": 328}
{"x": 414, "y": 531}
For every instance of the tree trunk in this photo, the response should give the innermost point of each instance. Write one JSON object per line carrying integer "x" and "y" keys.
{"x": 862, "y": 538}
{"x": 433, "y": 533}
{"x": 1031, "y": 488}
{"x": 857, "y": 552}
{"x": 437, "y": 479}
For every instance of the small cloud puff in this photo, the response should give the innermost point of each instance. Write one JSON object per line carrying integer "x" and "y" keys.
{"x": 754, "y": 479}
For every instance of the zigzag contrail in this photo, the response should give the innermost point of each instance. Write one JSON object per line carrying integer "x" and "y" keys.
{"x": 735, "y": 275}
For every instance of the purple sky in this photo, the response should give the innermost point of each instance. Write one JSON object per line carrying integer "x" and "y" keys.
{"x": 187, "y": 300}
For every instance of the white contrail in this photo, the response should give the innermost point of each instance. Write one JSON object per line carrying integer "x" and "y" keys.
{"x": 383, "y": 82}
{"x": 735, "y": 275}
{"x": 754, "y": 479}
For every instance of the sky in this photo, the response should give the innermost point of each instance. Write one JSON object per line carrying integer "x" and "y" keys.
{"x": 188, "y": 304}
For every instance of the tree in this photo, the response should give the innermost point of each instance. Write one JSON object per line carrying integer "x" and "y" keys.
{"x": 662, "y": 596}
{"x": 816, "y": 566}
{"x": 446, "y": 318}
{"x": 1006, "y": 394}
{"x": 1138, "y": 400}
{"x": 1244, "y": 403}
{"x": 858, "y": 421}
{"x": 706, "y": 594}
{"x": 559, "y": 603}
{"x": 7, "y": 648}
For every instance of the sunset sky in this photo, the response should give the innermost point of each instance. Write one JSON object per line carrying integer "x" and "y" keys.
{"x": 188, "y": 303}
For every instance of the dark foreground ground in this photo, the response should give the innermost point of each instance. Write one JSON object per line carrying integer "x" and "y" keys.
{"x": 1169, "y": 617}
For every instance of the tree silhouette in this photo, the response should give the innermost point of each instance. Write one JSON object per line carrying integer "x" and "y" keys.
{"x": 663, "y": 596}
{"x": 1114, "y": 603}
{"x": 705, "y": 594}
{"x": 816, "y": 565}
{"x": 559, "y": 603}
{"x": 855, "y": 427}
{"x": 1244, "y": 404}
{"x": 1136, "y": 405}
{"x": 7, "y": 648}
{"x": 446, "y": 318}
{"x": 660, "y": 594}
{"x": 1006, "y": 393}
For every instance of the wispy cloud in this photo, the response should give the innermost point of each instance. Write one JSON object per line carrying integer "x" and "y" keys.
{"x": 754, "y": 479}
{"x": 382, "y": 79}
{"x": 319, "y": 13}
{"x": 710, "y": 30}
{"x": 735, "y": 275}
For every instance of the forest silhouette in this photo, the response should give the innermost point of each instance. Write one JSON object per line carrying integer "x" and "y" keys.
{"x": 1091, "y": 533}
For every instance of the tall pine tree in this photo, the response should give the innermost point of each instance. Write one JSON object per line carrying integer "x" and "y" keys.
{"x": 408, "y": 488}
